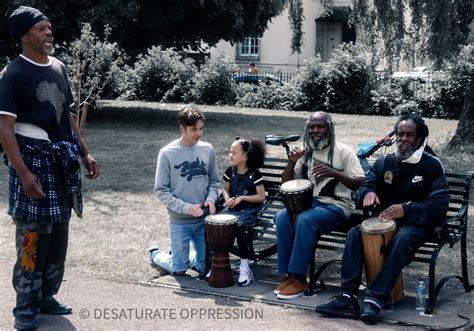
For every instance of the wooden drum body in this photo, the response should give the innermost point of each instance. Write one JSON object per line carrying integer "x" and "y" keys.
{"x": 220, "y": 236}
{"x": 376, "y": 234}
{"x": 297, "y": 196}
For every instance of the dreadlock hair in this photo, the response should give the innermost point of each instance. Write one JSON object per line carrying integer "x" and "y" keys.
{"x": 330, "y": 134}
{"x": 189, "y": 115}
{"x": 422, "y": 130}
{"x": 255, "y": 150}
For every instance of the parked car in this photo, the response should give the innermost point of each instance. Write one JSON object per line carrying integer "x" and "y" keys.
{"x": 421, "y": 73}
{"x": 256, "y": 79}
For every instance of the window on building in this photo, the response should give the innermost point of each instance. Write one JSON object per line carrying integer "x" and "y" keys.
{"x": 249, "y": 48}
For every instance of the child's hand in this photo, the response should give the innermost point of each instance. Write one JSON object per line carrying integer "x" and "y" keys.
{"x": 238, "y": 200}
{"x": 229, "y": 202}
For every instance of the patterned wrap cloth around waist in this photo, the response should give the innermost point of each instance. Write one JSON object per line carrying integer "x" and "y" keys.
{"x": 57, "y": 167}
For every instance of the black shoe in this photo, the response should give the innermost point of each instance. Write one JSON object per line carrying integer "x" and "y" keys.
{"x": 51, "y": 306}
{"x": 25, "y": 322}
{"x": 341, "y": 306}
{"x": 370, "y": 313}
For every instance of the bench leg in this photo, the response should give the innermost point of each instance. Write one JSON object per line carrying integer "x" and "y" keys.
{"x": 431, "y": 284}
{"x": 465, "y": 274}
{"x": 312, "y": 282}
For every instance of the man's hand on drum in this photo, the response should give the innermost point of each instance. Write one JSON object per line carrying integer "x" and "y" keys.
{"x": 212, "y": 207}
{"x": 295, "y": 154}
{"x": 196, "y": 211}
{"x": 392, "y": 212}
{"x": 370, "y": 199}
{"x": 322, "y": 170}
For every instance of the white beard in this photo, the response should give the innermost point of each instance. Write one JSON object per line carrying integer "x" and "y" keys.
{"x": 406, "y": 154}
{"x": 321, "y": 144}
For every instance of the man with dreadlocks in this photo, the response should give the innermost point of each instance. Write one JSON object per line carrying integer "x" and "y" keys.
{"x": 334, "y": 170}
{"x": 409, "y": 187}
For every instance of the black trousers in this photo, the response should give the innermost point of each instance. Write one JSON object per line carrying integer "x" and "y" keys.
{"x": 399, "y": 253}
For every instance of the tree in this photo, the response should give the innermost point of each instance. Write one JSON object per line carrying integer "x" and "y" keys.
{"x": 463, "y": 139}
{"x": 137, "y": 25}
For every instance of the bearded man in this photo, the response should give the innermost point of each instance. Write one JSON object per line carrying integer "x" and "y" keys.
{"x": 409, "y": 187}
{"x": 334, "y": 170}
{"x": 43, "y": 144}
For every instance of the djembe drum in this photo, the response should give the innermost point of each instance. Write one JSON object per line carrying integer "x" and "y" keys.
{"x": 297, "y": 196}
{"x": 376, "y": 234}
{"x": 220, "y": 236}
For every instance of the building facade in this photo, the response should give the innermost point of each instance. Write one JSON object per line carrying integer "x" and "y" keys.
{"x": 272, "y": 52}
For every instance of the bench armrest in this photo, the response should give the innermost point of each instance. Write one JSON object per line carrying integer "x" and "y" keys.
{"x": 443, "y": 233}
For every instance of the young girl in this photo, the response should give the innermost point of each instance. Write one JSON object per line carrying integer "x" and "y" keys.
{"x": 244, "y": 194}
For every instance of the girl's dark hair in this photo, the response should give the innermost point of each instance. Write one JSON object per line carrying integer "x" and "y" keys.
{"x": 255, "y": 150}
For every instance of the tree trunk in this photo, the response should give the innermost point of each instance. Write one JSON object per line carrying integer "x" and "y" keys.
{"x": 463, "y": 139}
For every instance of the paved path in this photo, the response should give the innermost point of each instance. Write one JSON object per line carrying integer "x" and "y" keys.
{"x": 106, "y": 305}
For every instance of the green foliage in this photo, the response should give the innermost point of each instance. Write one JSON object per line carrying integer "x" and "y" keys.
{"x": 270, "y": 95}
{"x": 296, "y": 18}
{"x": 92, "y": 65}
{"x": 213, "y": 83}
{"x": 341, "y": 85}
{"x": 140, "y": 24}
{"x": 442, "y": 98}
{"x": 160, "y": 75}
{"x": 460, "y": 73}
{"x": 312, "y": 83}
{"x": 415, "y": 31}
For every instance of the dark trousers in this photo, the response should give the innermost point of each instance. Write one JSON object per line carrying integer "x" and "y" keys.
{"x": 39, "y": 268}
{"x": 399, "y": 252}
{"x": 244, "y": 241}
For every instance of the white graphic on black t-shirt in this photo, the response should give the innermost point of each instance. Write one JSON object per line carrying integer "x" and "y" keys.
{"x": 50, "y": 92}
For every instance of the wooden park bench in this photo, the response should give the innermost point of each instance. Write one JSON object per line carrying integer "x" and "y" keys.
{"x": 453, "y": 231}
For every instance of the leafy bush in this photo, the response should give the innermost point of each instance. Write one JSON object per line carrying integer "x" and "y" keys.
{"x": 312, "y": 84}
{"x": 92, "y": 65}
{"x": 441, "y": 99}
{"x": 213, "y": 83}
{"x": 460, "y": 73}
{"x": 270, "y": 95}
{"x": 160, "y": 75}
{"x": 349, "y": 79}
{"x": 341, "y": 85}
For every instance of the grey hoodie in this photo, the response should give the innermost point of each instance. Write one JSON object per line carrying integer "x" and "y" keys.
{"x": 186, "y": 175}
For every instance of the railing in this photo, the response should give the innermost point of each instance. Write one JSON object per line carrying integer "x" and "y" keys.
{"x": 277, "y": 76}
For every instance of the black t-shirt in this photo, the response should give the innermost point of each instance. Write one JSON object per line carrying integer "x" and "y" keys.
{"x": 38, "y": 94}
{"x": 245, "y": 184}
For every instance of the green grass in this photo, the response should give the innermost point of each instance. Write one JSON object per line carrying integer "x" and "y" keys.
{"x": 122, "y": 214}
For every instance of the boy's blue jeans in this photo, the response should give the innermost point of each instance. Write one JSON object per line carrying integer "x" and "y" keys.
{"x": 181, "y": 257}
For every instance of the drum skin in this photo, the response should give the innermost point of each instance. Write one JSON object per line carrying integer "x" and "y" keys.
{"x": 220, "y": 236}
{"x": 376, "y": 234}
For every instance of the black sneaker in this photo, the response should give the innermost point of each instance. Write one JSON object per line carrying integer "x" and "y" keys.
{"x": 51, "y": 306}
{"x": 25, "y": 322}
{"x": 370, "y": 313}
{"x": 341, "y": 306}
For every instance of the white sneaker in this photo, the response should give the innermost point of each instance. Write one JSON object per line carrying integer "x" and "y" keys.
{"x": 245, "y": 277}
